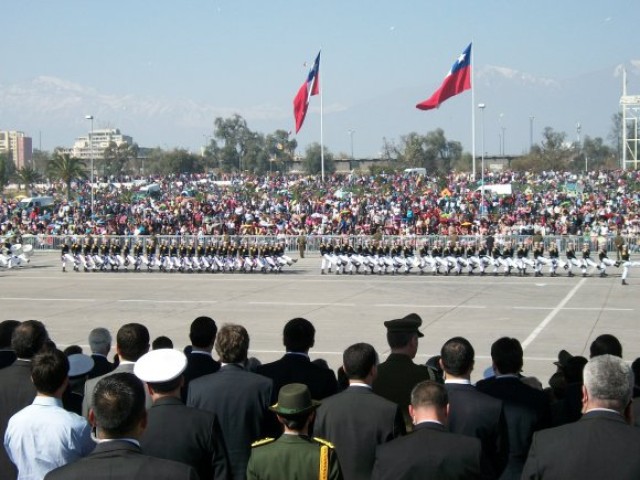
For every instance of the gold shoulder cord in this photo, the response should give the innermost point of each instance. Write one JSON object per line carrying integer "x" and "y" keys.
{"x": 324, "y": 463}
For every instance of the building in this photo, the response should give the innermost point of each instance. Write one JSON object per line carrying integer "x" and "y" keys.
{"x": 18, "y": 146}
{"x": 95, "y": 143}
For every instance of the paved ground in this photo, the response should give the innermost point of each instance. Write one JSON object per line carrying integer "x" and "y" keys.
{"x": 546, "y": 314}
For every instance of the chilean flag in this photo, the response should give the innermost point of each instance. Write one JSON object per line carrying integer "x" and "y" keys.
{"x": 457, "y": 81}
{"x": 309, "y": 88}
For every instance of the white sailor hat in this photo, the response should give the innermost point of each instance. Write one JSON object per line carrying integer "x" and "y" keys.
{"x": 159, "y": 366}
{"x": 80, "y": 364}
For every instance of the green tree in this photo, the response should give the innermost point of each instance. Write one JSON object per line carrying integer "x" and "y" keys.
{"x": 117, "y": 158}
{"x": 313, "y": 160}
{"x": 431, "y": 151}
{"x": 280, "y": 150}
{"x": 180, "y": 160}
{"x": 27, "y": 176}
{"x": 594, "y": 154}
{"x": 230, "y": 143}
{"x": 66, "y": 168}
{"x": 40, "y": 160}
{"x": 7, "y": 170}
{"x": 615, "y": 135}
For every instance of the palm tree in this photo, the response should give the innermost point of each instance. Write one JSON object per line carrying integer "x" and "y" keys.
{"x": 28, "y": 176}
{"x": 67, "y": 168}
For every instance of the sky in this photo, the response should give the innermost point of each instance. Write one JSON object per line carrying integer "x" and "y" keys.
{"x": 162, "y": 71}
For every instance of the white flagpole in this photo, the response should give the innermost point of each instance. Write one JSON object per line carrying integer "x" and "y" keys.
{"x": 321, "y": 120}
{"x": 473, "y": 113}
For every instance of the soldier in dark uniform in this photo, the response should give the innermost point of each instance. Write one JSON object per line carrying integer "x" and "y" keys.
{"x": 554, "y": 258}
{"x": 138, "y": 251}
{"x": 76, "y": 250}
{"x": 294, "y": 454}
{"x": 572, "y": 261}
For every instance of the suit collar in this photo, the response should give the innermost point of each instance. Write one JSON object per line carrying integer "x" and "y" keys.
{"x": 230, "y": 367}
{"x": 429, "y": 426}
{"x": 167, "y": 401}
{"x": 605, "y": 414}
{"x": 115, "y": 446}
{"x": 296, "y": 357}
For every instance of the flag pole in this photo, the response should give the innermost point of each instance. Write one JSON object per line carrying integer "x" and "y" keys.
{"x": 321, "y": 122}
{"x": 473, "y": 114}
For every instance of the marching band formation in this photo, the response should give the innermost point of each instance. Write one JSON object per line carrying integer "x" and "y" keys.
{"x": 105, "y": 254}
{"x": 14, "y": 254}
{"x": 452, "y": 257}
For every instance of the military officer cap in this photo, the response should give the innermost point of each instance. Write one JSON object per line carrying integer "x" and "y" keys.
{"x": 79, "y": 364}
{"x": 160, "y": 366}
{"x": 409, "y": 324}
{"x": 294, "y": 399}
{"x": 563, "y": 358}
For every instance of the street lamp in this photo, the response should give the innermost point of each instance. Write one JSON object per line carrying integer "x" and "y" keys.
{"x": 90, "y": 117}
{"x": 531, "y": 119}
{"x": 351, "y": 132}
{"x": 482, "y": 106}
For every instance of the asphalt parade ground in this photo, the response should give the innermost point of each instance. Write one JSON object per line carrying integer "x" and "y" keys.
{"x": 545, "y": 314}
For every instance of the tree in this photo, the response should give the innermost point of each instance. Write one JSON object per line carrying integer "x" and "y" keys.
{"x": 280, "y": 150}
{"x": 40, "y": 160}
{"x": 7, "y": 169}
{"x": 117, "y": 158}
{"x": 230, "y": 142}
{"x": 615, "y": 135}
{"x": 66, "y": 168}
{"x": 594, "y": 154}
{"x": 431, "y": 151}
{"x": 313, "y": 160}
{"x": 180, "y": 160}
{"x": 27, "y": 176}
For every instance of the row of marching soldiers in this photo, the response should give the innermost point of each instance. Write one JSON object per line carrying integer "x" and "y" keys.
{"x": 505, "y": 258}
{"x": 103, "y": 253}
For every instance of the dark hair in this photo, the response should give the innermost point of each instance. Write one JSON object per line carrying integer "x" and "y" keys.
{"x": 161, "y": 342}
{"x": 457, "y": 356}
{"x": 574, "y": 368}
{"x": 118, "y": 404}
{"x": 507, "y": 355}
{"x": 132, "y": 341}
{"x": 295, "y": 422}
{"x": 358, "y": 360}
{"x": 429, "y": 394}
{"x": 232, "y": 343}
{"x": 397, "y": 339}
{"x": 166, "y": 387}
{"x": 6, "y": 331}
{"x": 203, "y": 332}
{"x": 605, "y": 344}
{"x": 49, "y": 370}
{"x": 29, "y": 338}
{"x": 298, "y": 335}
{"x": 72, "y": 350}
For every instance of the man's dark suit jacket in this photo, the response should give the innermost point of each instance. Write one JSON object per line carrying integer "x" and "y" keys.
{"x": 479, "y": 415}
{"x": 600, "y": 445}
{"x": 101, "y": 366}
{"x": 198, "y": 365}
{"x": 526, "y": 410}
{"x": 187, "y": 435}
{"x": 296, "y": 368}
{"x": 120, "y": 459}
{"x": 90, "y": 386}
{"x": 430, "y": 452}
{"x": 240, "y": 400}
{"x": 7, "y": 357}
{"x": 16, "y": 392}
{"x": 356, "y": 421}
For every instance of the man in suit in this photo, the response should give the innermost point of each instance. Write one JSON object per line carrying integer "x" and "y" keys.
{"x": 175, "y": 431}
{"x": 357, "y": 420}
{"x": 199, "y": 360}
{"x": 28, "y": 339}
{"x": 294, "y": 455}
{"x": 526, "y": 409}
{"x": 119, "y": 417}
{"x": 100, "y": 345}
{"x": 398, "y": 374}
{"x": 132, "y": 341}
{"x": 471, "y": 412}
{"x": 430, "y": 451}
{"x": 295, "y": 366}
{"x": 603, "y": 443}
{"x": 7, "y": 355}
{"x": 239, "y": 398}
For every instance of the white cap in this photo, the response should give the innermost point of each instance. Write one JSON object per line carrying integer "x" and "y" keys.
{"x": 159, "y": 366}
{"x": 80, "y": 364}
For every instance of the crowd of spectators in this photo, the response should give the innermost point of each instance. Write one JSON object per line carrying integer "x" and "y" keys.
{"x": 555, "y": 203}
{"x": 171, "y": 414}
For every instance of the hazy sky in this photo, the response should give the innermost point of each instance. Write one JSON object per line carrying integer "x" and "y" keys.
{"x": 162, "y": 70}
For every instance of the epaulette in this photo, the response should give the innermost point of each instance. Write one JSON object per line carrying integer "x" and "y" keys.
{"x": 324, "y": 442}
{"x": 262, "y": 442}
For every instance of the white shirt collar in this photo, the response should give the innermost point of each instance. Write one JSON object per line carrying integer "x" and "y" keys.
{"x": 458, "y": 381}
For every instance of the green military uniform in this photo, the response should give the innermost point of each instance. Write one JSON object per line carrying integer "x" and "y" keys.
{"x": 293, "y": 457}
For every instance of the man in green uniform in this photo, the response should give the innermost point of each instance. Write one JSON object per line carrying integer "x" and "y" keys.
{"x": 294, "y": 456}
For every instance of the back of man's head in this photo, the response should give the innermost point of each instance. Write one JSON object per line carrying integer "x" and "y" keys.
{"x": 358, "y": 360}
{"x": 132, "y": 341}
{"x": 429, "y": 394}
{"x": 6, "y": 331}
{"x": 605, "y": 344}
{"x": 49, "y": 370}
{"x": 232, "y": 343}
{"x": 118, "y": 405}
{"x": 397, "y": 339}
{"x": 609, "y": 382}
{"x": 100, "y": 341}
{"x": 203, "y": 332}
{"x": 29, "y": 338}
{"x": 298, "y": 335}
{"x": 507, "y": 355}
{"x": 457, "y": 356}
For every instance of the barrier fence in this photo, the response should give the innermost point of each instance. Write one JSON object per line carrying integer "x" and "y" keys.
{"x": 54, "y": 242}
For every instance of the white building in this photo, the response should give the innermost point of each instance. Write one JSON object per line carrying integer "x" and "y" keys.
{"x": 95, "y": 143}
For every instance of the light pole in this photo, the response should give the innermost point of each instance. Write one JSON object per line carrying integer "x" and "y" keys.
{"x": 90, "y": 117}
{"x": 531, "y": 119}
{"x": 351, "y": 132}
{"x": 482, "y": 106}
